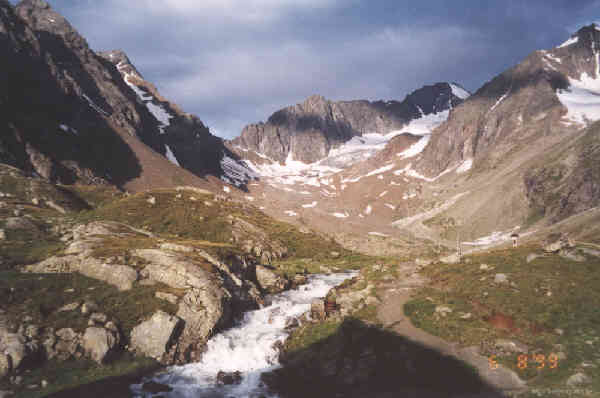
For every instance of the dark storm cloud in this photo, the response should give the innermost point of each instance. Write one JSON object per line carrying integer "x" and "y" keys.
{"x": 234, "y": 62}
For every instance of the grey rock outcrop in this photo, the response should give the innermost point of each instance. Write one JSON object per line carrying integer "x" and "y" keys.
{"x": 79, "y": 256}
{"x": 98, "y": 343}
{"x": 308, "y": 131}
{"x": 269, "y": 280}
{"x": 206, "y": 304}
{"x": 155, "y": 336}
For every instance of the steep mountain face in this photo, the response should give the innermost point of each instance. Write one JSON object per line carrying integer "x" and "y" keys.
{"x": 538, "y": 97}
{"x": 67, "y": 114}
{"x": 187, "y": 141}
{"x": 515, "y": 123}
{"x": 520, "y": 154}
{"x": 308, "y": 131}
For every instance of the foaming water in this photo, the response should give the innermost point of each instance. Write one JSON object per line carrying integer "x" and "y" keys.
{"x": 249, "y": 348}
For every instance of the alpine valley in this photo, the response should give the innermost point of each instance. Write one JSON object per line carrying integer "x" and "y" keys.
{"x": 443, "y": 245}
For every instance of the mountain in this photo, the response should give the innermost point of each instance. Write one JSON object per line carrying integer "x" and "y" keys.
{"x": 519, "y": 154}
{"x": 188, "y": 143}
{"x": 309, "y": 131}
{"x": 67, "y": 109}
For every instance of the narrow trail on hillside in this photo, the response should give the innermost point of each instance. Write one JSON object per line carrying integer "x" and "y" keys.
{"x": 390, "y": 312}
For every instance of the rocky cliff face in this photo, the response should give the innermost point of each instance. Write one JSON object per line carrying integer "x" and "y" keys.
{"x": 520, "y": 105}
{"x": 65, "y": 109}
{"x": 530, "y": 120}
{"x": 187, "y": 142}
{"x": 308, "y": 131}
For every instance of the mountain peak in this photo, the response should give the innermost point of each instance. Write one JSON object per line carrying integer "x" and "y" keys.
{"x": 315, "y": 99}
{"x": 41, "y": 4}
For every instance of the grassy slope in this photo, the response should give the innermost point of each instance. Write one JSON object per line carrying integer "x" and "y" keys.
{"x": 549, "y": 293}
{"x": 178, "y": 220}
{"x": 194, "y": 223}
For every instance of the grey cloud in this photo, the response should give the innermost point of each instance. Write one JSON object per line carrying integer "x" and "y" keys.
{"x": 234, "y": 62}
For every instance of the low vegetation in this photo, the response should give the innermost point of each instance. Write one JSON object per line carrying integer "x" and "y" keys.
{"x": 547, "y": 304}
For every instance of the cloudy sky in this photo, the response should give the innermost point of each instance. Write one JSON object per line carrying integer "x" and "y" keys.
{"x": 234, "y": 62}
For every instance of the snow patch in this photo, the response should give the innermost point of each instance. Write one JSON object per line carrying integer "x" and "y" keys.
{"x": 250, "y": 198}
{"x": 424, "y": 125}
{"x": 381, "y": 195}
{"x": 236, "y": 172}
{"x": 553, "y": 57}
{"x": 403, "y": 222}
{"x": 459, "y": 91}
{"x": 500, "y": 100}
{"x": 407, "y": 195}
{"x": 368, "y": 210}
{"x": 582, "y": 98}
{"x": 341, "y": 215}
{"x": 227, "y": 189}
{"x": 95, "y": 107}
{"x": 171, "y": 156}
{"x": 415, "y": 148}
{"x": 291, "y": 213}
{"x": 465, "y": 166}
{"x": 380, "y": 170}
{"x": 68, "y": 129}
{"x": 494, "y": 237}
{"x": 391, "y": 206}
{"x": 572, "y": 40}
{"x": 310, "y": 205}
{"x": 378, "y": 234}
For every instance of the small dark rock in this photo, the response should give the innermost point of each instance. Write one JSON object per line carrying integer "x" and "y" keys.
{"x": 227, "y": 378}
{"x": 154, "y": 387}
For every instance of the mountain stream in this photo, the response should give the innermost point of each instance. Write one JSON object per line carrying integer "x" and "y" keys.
{"x": 249, "y": 347}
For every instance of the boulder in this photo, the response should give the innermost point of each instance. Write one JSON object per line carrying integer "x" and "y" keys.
{"x": 99, "y": 318}
{"x": 443, "y": 310}
{"x": 67, "y": 344}
{"x": 19, "y": 223}
{"x": 203, "y": 310}
{"x": 510, "y": 346}
{"x": 578, "y": 379}
{"x": 571, "y": 255}
{"x": 98, "y": 343}
{"x": 5, "y": 365}
{"x": 206, "y": 303}
{"x": 269, "y": 281}
{"x": 171, "y": 298}
{"x": 172, "y": 269}
{"x": 88, "y": 307}
{"x": 317, "y": 309}
{"x": 500, "y": 278}
{"x": 228, "y": 378}
{"x": 14, "y": 346}
{"x": 451, "y": 259}
{"x": 155, "y": 336}
{"x": 2, "y": 234}
{"x": 120, "y": 276}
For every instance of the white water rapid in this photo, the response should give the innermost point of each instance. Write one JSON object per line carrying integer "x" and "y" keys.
{"x": 248, "y": 347}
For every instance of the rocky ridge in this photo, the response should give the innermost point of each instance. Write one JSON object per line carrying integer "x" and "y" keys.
{"x": 65, "y": 106}
{"x": 308, "y": 131}
{"x": 188, "y": 143}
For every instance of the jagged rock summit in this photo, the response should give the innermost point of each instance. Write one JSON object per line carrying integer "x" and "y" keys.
{"x": 310, "y": 130}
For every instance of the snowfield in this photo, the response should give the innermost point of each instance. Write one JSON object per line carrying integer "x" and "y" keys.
{"x": 582, "y": 98}
{"x": 415, "y": 148}
{"x": 171, "y": 156}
